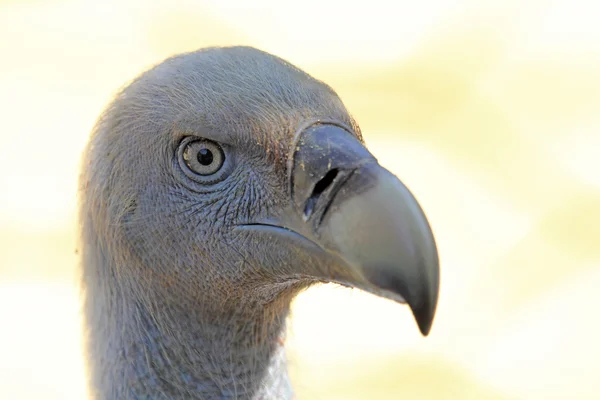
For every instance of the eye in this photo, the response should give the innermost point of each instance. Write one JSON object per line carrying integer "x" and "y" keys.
{"x": 203, "y": 157}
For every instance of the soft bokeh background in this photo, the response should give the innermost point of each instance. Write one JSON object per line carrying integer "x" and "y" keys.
{"x": 489, "y": 111}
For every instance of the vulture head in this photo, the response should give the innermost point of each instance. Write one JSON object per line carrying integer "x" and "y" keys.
{"x": 215, "y": 187}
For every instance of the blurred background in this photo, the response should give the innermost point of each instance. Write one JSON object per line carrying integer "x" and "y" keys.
{"x": 488, "y": 110}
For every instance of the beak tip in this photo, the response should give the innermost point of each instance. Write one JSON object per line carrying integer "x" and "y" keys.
{"x": 425, "y": 328}
{"x": 424, "y": 317}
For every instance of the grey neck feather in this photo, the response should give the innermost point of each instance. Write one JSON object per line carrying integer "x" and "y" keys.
{"x": 143, "y": 347}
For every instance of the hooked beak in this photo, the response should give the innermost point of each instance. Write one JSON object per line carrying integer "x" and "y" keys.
{"x": 363, "y": 218}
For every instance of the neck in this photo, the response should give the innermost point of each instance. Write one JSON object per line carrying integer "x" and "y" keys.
{"x": 142, "y": 348}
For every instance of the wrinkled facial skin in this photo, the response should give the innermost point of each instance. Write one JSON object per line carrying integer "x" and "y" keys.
{"x": 180, "y": 230}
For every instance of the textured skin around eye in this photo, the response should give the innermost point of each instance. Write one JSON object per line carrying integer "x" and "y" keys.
{"x": 192, "y": 156}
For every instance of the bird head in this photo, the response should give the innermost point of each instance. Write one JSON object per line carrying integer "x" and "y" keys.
{"x": 230, "y": 178}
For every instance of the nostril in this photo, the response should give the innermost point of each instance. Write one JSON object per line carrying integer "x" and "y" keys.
{"x": 319, "y": 188}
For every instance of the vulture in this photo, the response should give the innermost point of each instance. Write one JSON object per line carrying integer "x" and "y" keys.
{"x": 215, "y": 187}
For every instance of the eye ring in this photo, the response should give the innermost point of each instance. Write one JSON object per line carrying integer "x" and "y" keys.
{"x": 202, "y": 160}
{"x": 203, "y": 157}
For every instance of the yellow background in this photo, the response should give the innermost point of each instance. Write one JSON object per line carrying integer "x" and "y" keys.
{"x": 488, "y": 111}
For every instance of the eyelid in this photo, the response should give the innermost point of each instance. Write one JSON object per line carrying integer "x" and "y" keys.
{"x": 218, "y": 139}
{"x": 183, "y": 128}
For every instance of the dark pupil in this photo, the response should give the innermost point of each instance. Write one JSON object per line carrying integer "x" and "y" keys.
{"x": 205, "y": 157}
